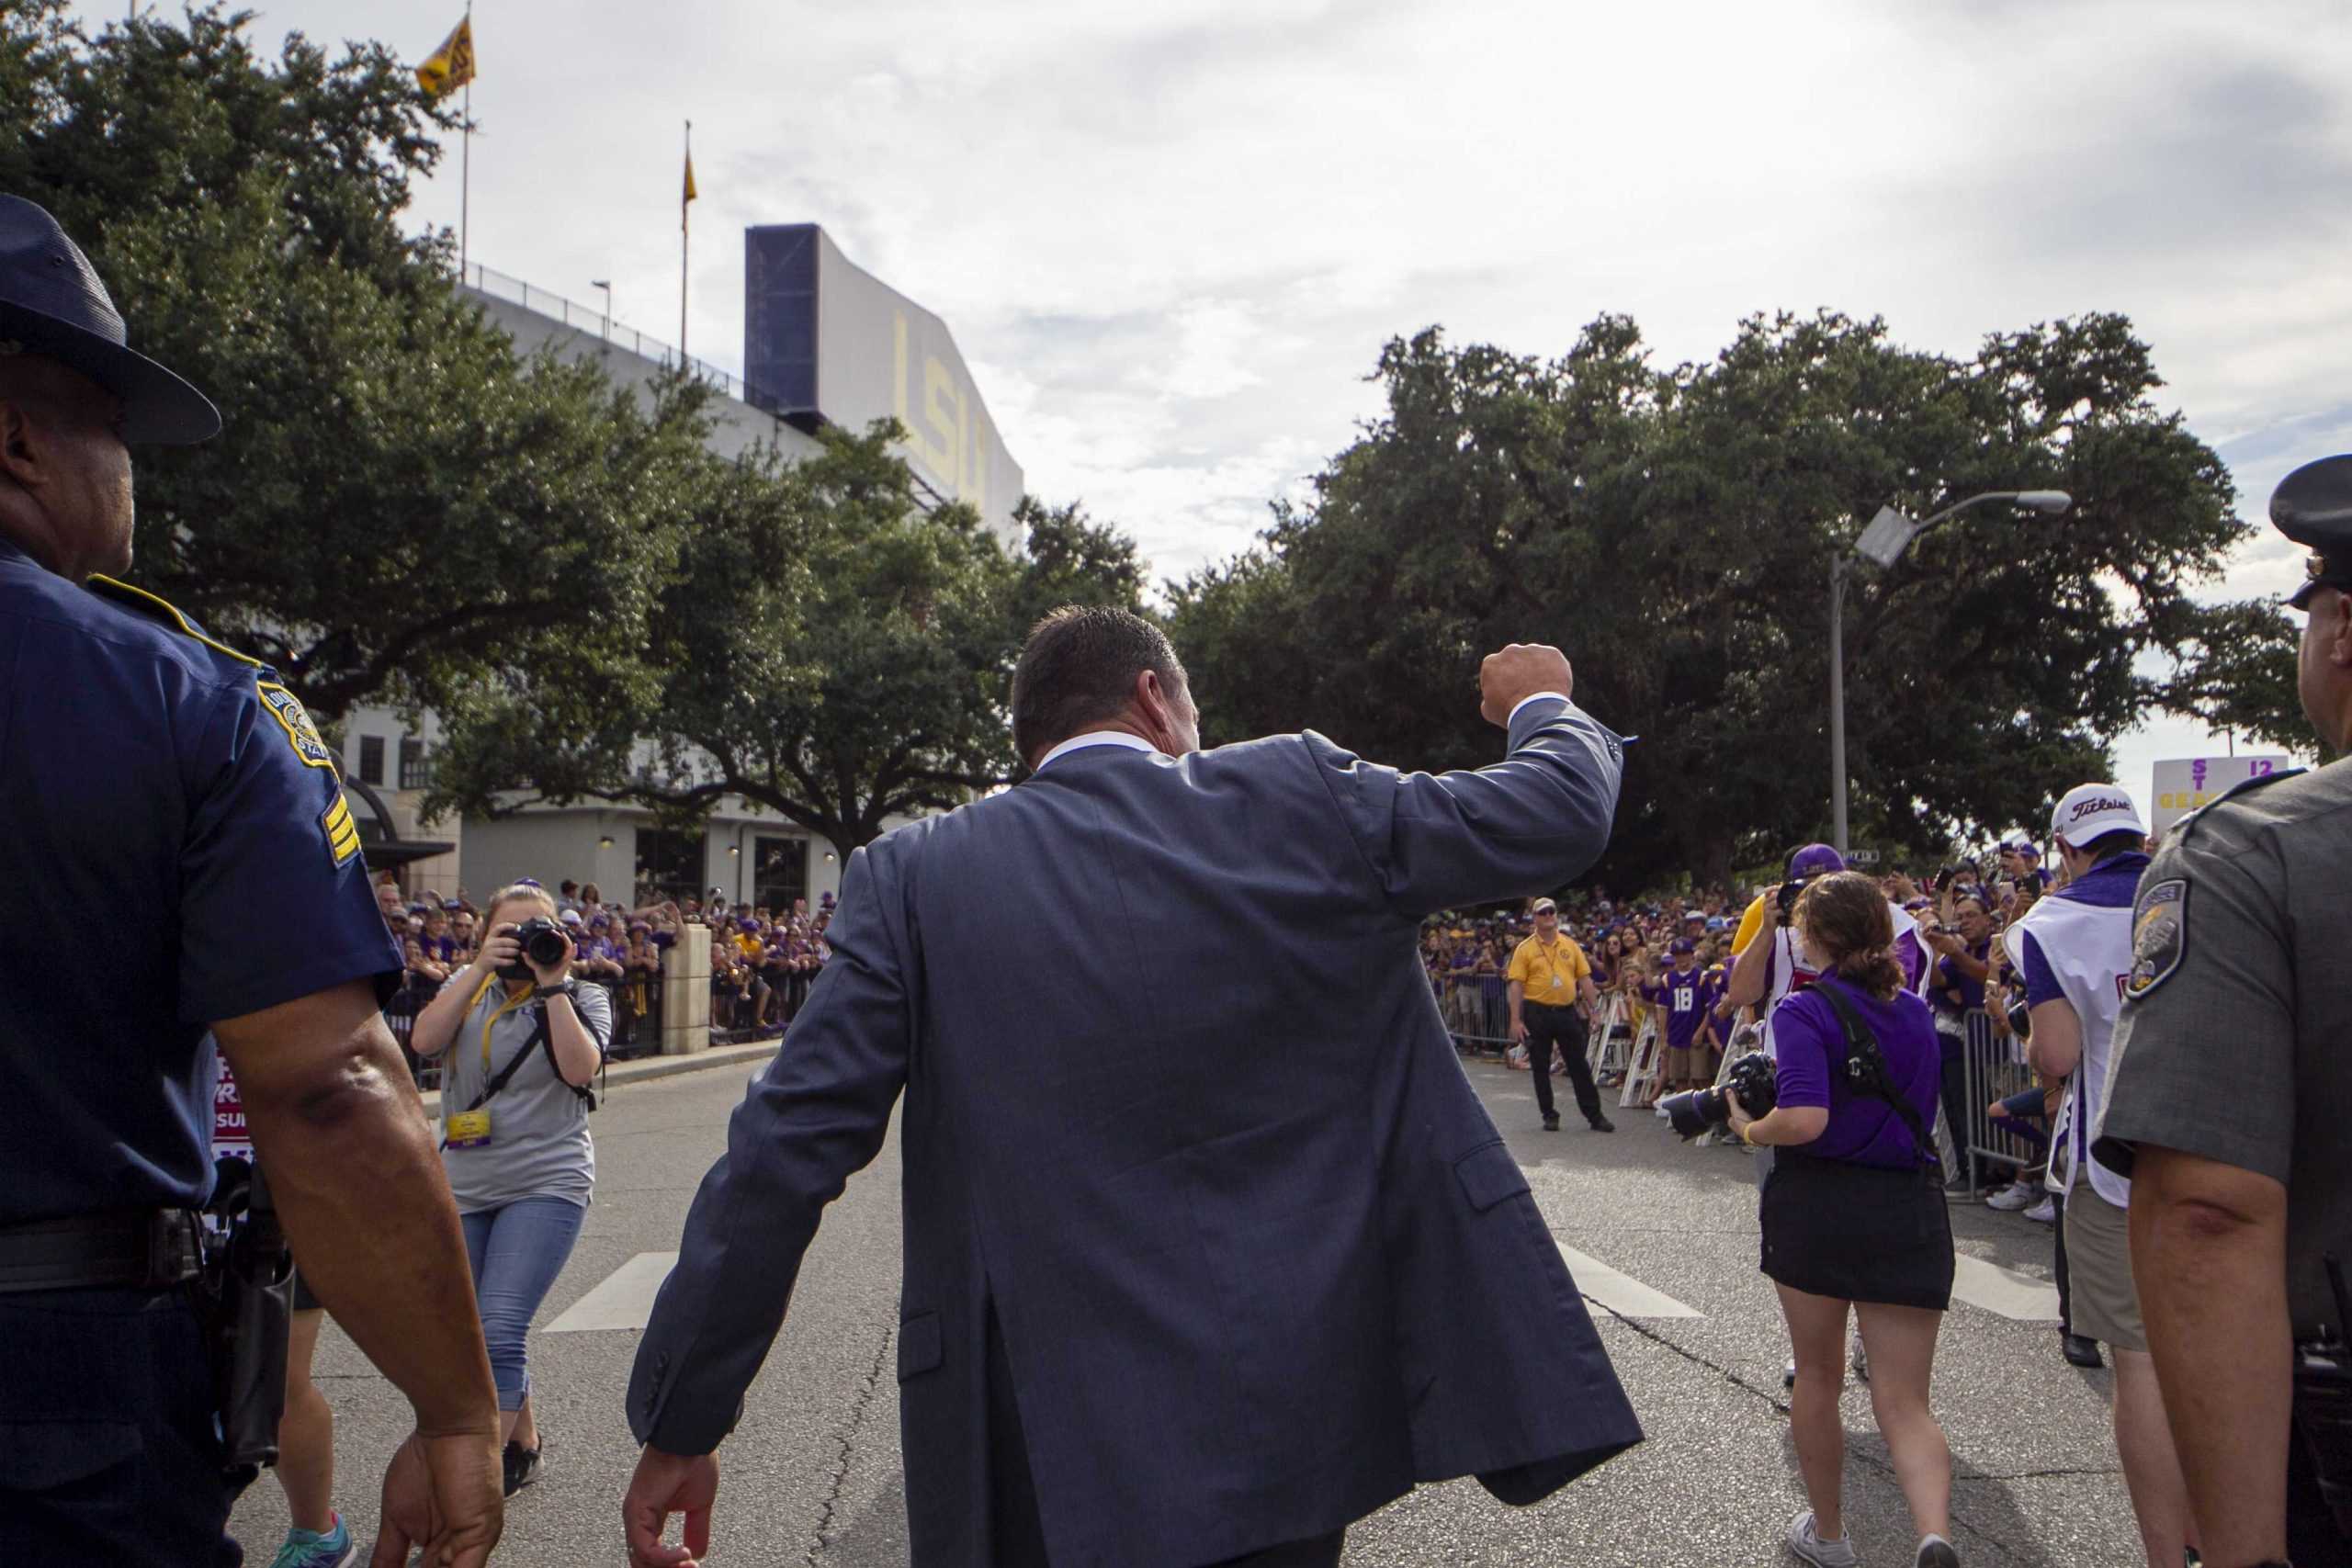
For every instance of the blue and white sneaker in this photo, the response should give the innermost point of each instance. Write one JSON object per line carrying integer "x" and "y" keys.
{"x": 308, "y": 1549}
{"x": 1805, "y": 1542}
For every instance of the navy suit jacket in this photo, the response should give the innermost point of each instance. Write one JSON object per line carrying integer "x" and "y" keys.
{"x": 1186, "y": 1148}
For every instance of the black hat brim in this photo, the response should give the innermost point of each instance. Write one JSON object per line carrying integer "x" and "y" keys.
{"x": 158, "y": 407}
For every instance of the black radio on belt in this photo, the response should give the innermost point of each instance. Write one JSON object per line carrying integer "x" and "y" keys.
{"x": 2323, "y": 1403}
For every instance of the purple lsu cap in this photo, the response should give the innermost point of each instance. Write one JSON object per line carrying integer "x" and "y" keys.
{"x": 1816, "y": 860}
{"x": 1682, "y": 944}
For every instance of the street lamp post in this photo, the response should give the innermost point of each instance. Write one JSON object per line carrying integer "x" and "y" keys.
{"x": 1883, "y": 543}
{"x": 608, "y": 288}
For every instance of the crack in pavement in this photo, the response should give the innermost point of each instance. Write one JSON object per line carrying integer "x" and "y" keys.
{"x": 847, "y": 1438}
{"x": 1883, "y": 1467}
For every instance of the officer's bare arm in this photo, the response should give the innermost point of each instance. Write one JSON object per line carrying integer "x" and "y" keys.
{"x": 338, "y": 1127}
{"x": 2056, "y": 1045}
{"x": 2208, "y": 1252}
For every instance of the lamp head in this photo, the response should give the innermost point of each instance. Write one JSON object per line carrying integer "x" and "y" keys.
{"x": 2050, "y": 501}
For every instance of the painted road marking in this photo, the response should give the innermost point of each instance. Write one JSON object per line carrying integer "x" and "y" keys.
{"x": 1619, "y": 1294}
{"x": 2004, "y": 1291}
{"x": 625, "y": 1299}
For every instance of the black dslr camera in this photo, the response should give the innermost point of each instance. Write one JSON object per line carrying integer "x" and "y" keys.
{"x": 1753, "y": 1077}
{"x": 1791, "y": 891}
{"x": 543, "y": 944}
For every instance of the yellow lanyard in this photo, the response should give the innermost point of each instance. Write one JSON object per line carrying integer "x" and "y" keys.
{"x": 508, "y": 1006}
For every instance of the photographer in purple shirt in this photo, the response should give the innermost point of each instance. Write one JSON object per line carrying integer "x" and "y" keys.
{"x": 1853, "y": 1211}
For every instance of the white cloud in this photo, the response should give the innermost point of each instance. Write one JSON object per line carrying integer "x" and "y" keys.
{"x": 1175, "y": 237}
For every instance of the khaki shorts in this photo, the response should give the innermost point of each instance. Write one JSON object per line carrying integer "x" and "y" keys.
{"x": 2104, "y": 1302}
{"x": 1678, "y": 1064}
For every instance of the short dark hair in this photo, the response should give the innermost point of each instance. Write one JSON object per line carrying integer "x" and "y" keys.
{"x": 1078, "y": 667}
{"x": 2107, "y": 846}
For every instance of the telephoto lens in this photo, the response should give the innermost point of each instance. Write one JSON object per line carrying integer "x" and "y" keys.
{"x": 1753, "y": 1075}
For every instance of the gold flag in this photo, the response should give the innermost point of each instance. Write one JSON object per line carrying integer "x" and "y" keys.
{"x": 452, "y": 65}
{"x": 690, "y": 193}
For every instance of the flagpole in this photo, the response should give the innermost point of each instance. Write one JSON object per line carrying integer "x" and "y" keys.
{"x": 684, "y": 209}
{"x": 466, "y": 160}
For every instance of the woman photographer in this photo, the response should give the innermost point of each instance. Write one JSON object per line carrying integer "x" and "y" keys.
{"x": 1853, "y": 1213}
{"x": 514, "y": 1130}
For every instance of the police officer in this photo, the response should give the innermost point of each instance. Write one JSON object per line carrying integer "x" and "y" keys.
{"x": 2229, "y": 1099}
{"x": 176, "y": 853}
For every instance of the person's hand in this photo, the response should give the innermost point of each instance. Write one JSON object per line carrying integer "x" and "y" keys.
{"x": 1998, "y": 1109}
{"x": 668, "y": 1483}
{"x": 1740, "y": 1121}
{"x": 443, "y": 1496}
{"x": 1518, "y": 1032}
{"x": 1903, "y": 887}
{"x": 1517, "y": 672}
{"x": 551, "y": 974}
{"x": 499, "y": 950}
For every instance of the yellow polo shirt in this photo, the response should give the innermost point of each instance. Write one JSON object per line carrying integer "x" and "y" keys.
{"x": 1550, "y": 976}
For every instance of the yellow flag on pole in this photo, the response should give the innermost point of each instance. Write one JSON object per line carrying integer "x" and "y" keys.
{"x": 691, "y": 192}
{"x": 451, "y": 66}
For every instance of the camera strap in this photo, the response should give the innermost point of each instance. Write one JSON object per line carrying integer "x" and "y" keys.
{"x": 1866, "y": 1071}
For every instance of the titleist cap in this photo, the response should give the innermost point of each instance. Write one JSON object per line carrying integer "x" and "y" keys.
{"x": 2094, "y": 810}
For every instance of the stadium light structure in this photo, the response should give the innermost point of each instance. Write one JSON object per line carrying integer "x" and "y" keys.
{"x": 1881, "y": 544}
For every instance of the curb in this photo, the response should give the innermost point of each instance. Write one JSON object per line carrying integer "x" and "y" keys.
{"x": 646, "y": 1067}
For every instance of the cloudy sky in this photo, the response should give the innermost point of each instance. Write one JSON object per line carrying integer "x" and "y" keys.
{"x": 1171, "y": 239}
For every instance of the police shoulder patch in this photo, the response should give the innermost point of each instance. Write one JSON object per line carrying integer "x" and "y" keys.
{"x": 2159, "y": 936}
{"x": 286, "y": 708}
{"x": 342, "y": 832}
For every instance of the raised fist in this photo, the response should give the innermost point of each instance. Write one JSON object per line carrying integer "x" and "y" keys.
{"x": 1517, "y": 672}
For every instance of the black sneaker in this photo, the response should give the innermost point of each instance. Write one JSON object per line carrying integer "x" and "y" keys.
{"x": 1603, "y": 1125}
{"x": 1551, "y": 1123}
{"x": 522, "y": 1466}
{"x": 2081, "y": 1349}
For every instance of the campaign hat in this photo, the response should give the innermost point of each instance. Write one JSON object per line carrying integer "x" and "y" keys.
{"x": 2313, "y": 506}
{"x": 53, "y": 305}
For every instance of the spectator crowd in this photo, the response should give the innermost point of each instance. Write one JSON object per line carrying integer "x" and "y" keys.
{"x": 1675, "y": 956}
{"x": 763, "y": 960}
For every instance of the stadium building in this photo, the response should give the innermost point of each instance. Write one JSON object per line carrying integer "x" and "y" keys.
{"x": 824, "y": 343}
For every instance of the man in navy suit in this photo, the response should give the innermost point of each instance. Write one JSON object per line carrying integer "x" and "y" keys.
{"x": 1211, "y": 1249}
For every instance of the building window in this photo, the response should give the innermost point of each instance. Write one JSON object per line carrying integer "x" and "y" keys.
{"x": 371, "y": 760}
{"x": 668, "y": 862}
{"x": 783, "y": 873}
{"x": 415, "y": 772}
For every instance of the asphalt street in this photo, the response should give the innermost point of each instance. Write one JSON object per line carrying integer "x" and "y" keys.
{"x": 812, "y": 1477}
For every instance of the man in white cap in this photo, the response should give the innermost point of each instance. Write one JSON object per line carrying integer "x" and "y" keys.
{"x": 2074, "y": 950}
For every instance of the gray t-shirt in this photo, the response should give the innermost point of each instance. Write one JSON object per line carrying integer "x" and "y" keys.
{"x": 538, "y": 1127}
{"x": 2237, "y": 1010}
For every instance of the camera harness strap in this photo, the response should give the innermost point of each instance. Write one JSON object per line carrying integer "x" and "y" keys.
{"x": 538, "y": 1041}
{"x": 1866, "y": 1072}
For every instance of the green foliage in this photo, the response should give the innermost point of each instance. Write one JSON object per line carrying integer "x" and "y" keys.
{"x": 2238, "y": 673}
{"x": 395, "y": 499}
{"x": 1673, "y": 529}
{"x": 826, "y": 647}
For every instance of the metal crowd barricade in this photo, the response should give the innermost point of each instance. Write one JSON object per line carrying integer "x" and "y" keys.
{"x": 1991, "y": 1072}
{"x": 400, "y": 1017}
{"x": 1477, "y": 1009}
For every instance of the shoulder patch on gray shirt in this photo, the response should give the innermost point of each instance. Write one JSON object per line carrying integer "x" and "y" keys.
{"x": 2159, "y": 936}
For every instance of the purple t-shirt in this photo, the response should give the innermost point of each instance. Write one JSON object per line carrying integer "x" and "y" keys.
{"x": 1684, "y": 996}
{"x": 1812, "y": 1048}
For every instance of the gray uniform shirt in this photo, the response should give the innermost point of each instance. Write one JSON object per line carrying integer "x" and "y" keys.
{"x": 2235, "y": 1042}
{"x": 538, "y": 1128}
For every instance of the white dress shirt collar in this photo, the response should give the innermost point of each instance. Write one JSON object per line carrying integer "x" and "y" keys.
{"x": 1095, "y": 738}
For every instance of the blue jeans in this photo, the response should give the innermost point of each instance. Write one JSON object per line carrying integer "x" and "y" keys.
{"x": 516, "y": 1252}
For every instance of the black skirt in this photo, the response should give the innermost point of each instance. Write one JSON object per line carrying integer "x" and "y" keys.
{"x": 1856, "y": 1233}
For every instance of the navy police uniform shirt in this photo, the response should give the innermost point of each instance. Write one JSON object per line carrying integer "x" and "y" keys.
{"x": 174, "y": 850}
